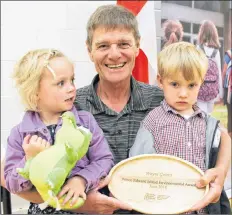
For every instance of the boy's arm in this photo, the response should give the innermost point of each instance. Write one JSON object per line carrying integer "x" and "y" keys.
{"x": 99, "y": 155}
{"x": 144, "y": 143}
{"x": 215, "y": 177}
{"x": 15, "y": 158}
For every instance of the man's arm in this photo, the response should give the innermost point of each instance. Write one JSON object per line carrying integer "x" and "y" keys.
{"x": 215, "y": 177}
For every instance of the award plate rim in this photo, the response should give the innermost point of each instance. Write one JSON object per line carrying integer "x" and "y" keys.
{"x": 150, "y": 156}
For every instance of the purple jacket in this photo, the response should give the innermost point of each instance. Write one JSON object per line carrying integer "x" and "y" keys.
{"x": 95, "y": 165}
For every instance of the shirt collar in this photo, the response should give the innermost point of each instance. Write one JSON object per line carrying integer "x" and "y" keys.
{"x": 31, "y": 121}
{"x": 197, "y": 110}
{"x": 136, "y": 102}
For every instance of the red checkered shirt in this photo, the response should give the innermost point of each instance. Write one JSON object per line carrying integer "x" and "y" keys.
{"x": 175, "y": 135}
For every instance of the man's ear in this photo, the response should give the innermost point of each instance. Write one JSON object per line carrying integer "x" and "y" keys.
{"x": 138, "y": 47}
{"x": 89, "y": 51}
{"x": 160, "y": 81}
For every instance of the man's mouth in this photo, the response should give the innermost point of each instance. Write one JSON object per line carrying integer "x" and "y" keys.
{"x": 115, "y": 66}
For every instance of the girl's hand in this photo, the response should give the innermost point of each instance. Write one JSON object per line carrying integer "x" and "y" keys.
{"x": 74, "y": 188}
{"x": 34, "y": 145}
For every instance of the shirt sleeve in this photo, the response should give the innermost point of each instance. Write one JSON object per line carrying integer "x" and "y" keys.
{"x": 15, "y": 158}
{"x": 99, "y": 155}
{"x": 144, "y": 143}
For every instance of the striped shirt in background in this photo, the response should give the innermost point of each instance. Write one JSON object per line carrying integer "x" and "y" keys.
{"x": 120, "y": 129}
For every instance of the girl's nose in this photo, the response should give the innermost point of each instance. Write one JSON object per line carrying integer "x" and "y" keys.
{"x": 71, "y": 87}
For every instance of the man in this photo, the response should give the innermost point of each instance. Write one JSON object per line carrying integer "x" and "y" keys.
{"x": 119, "y": 103}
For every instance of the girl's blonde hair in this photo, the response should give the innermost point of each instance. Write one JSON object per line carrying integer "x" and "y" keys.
{"x": 182, "y": 58}
{"x": 208, "y": 33}
{"x": 28, "y": 72}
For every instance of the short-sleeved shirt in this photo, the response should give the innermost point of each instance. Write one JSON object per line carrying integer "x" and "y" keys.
{"x": 120, "y": 129}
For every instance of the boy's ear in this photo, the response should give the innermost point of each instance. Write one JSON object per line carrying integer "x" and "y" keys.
{"x": 89, "y": 51}
{"x": 159, "y": 81}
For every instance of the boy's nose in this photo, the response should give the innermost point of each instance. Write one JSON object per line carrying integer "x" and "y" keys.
{"x": 183, "y": 92}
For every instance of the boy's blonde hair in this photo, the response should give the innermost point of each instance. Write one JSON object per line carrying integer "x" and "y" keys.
{"x": 28, "y": 72}
{"x": 182, "y": 58}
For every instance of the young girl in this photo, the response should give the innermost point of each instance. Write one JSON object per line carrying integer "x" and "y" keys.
{"x": 45, "y": 80}
{"x": 208, "y": 41}
{"x": 173, "y": 32}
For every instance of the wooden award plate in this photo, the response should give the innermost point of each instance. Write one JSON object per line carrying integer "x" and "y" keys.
{"x": 156, "y": 183}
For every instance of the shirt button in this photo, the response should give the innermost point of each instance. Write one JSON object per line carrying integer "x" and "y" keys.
{"x": 189, "y": 144}
{"x": 45, "y": 130}
{"x": 188, "y": 123}
{"x": 119, "y": 132}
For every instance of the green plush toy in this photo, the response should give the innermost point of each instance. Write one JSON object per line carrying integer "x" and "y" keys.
{"x": 48, "y": 170}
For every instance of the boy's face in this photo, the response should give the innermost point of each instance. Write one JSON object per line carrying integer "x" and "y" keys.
{"x": 180, "y": 94}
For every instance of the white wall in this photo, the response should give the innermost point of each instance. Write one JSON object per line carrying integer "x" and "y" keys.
{"x": 40, "y": 24}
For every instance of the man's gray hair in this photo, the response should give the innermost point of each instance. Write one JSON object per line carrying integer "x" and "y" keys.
{"x": 111, "y": 17}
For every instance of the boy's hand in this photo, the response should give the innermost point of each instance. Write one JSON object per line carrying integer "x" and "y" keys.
{"x": 34, "y": 145}
{"x": 74, "y": 188}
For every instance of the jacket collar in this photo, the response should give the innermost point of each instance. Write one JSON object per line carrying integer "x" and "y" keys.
{"x": 31, "y": 121}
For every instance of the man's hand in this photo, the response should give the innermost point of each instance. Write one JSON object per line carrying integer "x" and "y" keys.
{"x": 34, "y": 145}
{"x": 98, "y": 203}
{"x": 215, "y": 178}
{"x": 74, "y": 188}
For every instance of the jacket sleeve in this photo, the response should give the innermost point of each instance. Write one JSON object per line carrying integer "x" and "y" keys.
{"x": 15, "y": 158}
{"x": 99, "y": 155}
{"x": 144, "y": 143}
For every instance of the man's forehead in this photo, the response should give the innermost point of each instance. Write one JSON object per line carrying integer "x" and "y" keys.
{"x": 101, "y": 35}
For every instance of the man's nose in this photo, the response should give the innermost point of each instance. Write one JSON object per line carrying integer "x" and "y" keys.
{"x": 114, "y": 52}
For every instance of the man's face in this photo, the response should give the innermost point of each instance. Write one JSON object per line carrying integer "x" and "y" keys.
{"x": 113, "y": 53}
{"x": 180, "y": 94}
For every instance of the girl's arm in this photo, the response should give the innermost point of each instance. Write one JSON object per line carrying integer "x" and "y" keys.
{"x": 15, "y": 158}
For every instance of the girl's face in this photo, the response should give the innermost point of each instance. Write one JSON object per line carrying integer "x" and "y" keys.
{"x": 57, "y": 91}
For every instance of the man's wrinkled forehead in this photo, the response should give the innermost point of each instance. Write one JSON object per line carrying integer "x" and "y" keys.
{"x": 112, "y": 33}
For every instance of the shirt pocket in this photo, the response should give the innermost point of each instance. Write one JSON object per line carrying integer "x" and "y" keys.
{"x": 169, "y": 139}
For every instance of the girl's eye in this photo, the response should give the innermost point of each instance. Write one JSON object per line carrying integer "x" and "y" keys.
{"x": 73, "y": 80}
{"x": 61, "y": 83}
{"x": 174, "y": 84}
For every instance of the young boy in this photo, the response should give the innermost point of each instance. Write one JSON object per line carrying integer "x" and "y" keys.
{"x": 178, "y": 127}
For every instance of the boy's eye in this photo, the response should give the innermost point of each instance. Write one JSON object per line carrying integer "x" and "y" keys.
{"x": 192, "y": 85}
{"x": 61, "y": 83}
